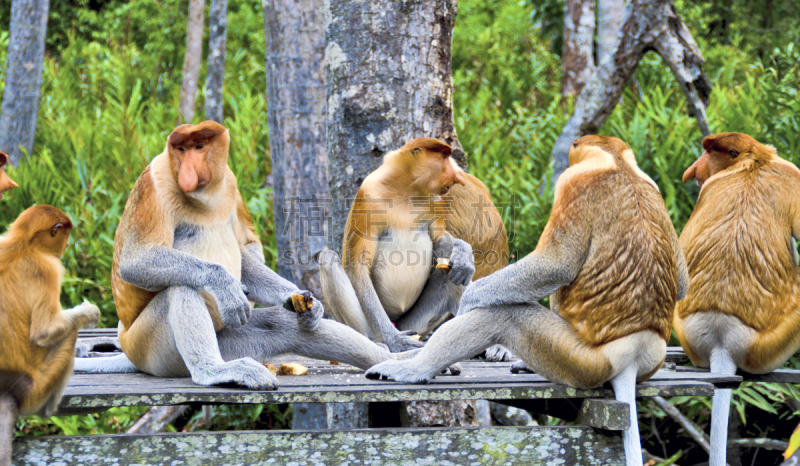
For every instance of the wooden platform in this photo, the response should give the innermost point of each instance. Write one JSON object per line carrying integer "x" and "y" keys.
{"x": 596, "y": 441}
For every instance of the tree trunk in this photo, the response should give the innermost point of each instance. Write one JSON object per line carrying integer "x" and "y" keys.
{"x": 648, "y": 24}
{"x": 578, "y": 59}
{"x": 296, "y": 115}
{"x": 192, "y": 59}
{"x": 609, "y": 20}
{"x": 23, "y": 77}
{"x": 215, "y": 77}
{"x": 388, "y": 81}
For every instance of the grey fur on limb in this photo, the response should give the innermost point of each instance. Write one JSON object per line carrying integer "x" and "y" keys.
{"x": 648, "y": 24}
{"x": 9, "y": 409}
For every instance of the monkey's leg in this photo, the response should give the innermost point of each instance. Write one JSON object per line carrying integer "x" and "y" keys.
{"x": 437, "y": 303}
{"x": 50, "y": 378}
{"x": 340, "y": 297}
{"x": 273, "y": 331}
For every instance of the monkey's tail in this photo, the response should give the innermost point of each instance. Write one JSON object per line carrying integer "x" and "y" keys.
{"x": 721, "y": 362}
{"x": 625, "y": 391}
{"x": 9, "y": 408}
{"x": 105, "y": 365}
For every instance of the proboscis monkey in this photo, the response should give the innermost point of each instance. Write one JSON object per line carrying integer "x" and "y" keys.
{"x": 610, "y": 260}
{"x": 395, "y": 230}
{"x": 38, "y": 337}
{"x": 743, "y": 306}
{"x": 6, "y": 183}
{"x": 184, "y": 254}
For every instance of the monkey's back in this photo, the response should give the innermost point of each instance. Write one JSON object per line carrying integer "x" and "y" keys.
{"x": 739, "y": 249}
{"x": 129, "y": 299}
{"x": 473, "y": 217}
{"x": 628, "y": 281}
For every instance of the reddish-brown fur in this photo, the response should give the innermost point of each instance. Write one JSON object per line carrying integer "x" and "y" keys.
{"x": 738, "y": 245}
{"x": 6, "y": 183}
{"x": 617, "y": 292}
{"x": 37, "y": 340}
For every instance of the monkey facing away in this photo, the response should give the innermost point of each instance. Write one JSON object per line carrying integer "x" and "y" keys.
{"x": 743, "y": 306}
{"x": 6, "y": 183}
{"x": 395, "y": 230}
{"x": 38, "y": 337}
{"x": 185, "y": 254}
{"x": 609, "y": 259}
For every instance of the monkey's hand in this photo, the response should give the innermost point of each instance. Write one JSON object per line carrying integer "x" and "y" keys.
{"x": 230, "y": 295}
{"x": 309, "y": 310}
{"x": 89, "y": 314}
{"x": 462, "y": 263}
{"x": 519, "y": 366}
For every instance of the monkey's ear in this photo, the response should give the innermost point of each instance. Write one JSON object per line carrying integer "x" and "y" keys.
{"x": 429, "y": 144}
{"x": 3, "y": 158}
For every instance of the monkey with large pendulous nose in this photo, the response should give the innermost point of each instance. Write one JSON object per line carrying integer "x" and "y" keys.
{"x": 743, "y": 306}
{"x": 610, "y": 261}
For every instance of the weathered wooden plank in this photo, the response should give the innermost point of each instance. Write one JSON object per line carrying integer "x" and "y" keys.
{"x": 440, "y": 446}
{"x": 778, "y": 376}
{"x": 109, "y": 390}
{"x": 605, "y": 414}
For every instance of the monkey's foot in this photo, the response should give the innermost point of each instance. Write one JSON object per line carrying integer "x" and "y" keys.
{"x": 403, "y": 342}
{"x": 499, "y": 353}
{"x": 405, "y": 371}
{"x": 85, "y": 348}
{"x": 519, "y": 366}
{"x": 243, "y": 371}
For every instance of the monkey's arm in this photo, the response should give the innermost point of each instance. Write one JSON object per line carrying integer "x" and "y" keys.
{"x": 49, "y": 324}
{"x": 556, "y": 262}
{"x": 462, "y": 260}
{"x": 683, "y": 271}
{"x": 154, "y": 267}
{"x": 263, "y": 284}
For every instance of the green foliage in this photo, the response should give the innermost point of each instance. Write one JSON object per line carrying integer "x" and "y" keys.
{"x": 115, "y": 420}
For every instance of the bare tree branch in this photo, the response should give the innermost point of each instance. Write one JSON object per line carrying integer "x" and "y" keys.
{"x": 648, "y": 25}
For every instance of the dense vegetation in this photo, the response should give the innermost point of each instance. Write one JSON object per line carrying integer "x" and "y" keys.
{"x": 111, "y": 87}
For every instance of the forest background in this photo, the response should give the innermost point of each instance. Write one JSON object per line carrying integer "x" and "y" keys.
{"x": 110, "y": 92}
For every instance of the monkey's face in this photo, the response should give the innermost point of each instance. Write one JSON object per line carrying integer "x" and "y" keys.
{"x": 198, "y": 154}
{"x": 722, "y": 151}
{"x": 6, "y": 183}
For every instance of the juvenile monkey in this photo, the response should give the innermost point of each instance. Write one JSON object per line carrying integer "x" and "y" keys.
{"x": 743, "y": 306}
{"x": 185, "y": 252}
{"x": 609, "y": 259}
{"x": 37, "y": 336}
{"x": 6, "y": 183}
{"x": 395, "y": 230}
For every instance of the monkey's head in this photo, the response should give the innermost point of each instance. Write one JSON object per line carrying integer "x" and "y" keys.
{"x": 43, "y": 228}
{"x": 722, "y": 151}
{"x": 198, "y": 155}
{"x": 584, "y": 148}
{"x": 6, "y": 183}
{"x": 427, "y": 162}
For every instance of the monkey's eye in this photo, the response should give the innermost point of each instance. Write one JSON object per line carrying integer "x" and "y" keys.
{"x": 733, "y": 153}
{"x": 54, "y": 232}
{"x": 181, "y": 150}
{"x": 199, "y": 146}
{"x": 575, "y": 145}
